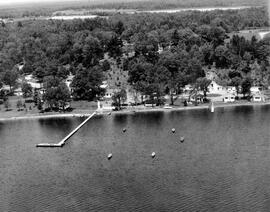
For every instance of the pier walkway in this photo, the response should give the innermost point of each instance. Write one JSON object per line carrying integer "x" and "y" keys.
{"x": 63, "y": 142}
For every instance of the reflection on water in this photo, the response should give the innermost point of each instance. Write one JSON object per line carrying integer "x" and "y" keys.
{"x": 120, "y": 119}
{"x": 223, "y": 165}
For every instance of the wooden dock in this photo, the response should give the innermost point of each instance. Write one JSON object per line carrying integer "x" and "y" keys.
{"x": 63, "y": 142}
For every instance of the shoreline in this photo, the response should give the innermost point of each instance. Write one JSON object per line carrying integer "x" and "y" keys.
{"x": 37, "y": 116}
{"x": 132, "y": 111}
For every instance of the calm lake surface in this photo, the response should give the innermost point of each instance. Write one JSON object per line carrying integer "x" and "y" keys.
{"x": 223, "y": 165}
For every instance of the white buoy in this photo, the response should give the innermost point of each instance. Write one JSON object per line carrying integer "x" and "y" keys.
{"x": 153, "y": 154}
{"x": 109, "y": 113}
{"x": 182, "y": 139}
{"x": 109, "y": 156}
{"x": 124, "y": 130}
{"x": 173, "y": 130}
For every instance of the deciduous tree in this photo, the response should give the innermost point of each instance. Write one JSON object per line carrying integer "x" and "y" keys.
{"x": 119, "y": 98}
{"x": 27, "y": 90}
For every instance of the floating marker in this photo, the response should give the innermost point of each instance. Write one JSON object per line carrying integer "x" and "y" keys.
{"x": 173, "y": 130}
{"x": 153, "y": 154}
{"x": 182, "y": 139}
{"x": 124, "y": 130}
{"x": 109, "y": 113}
{"x": 109, "y": 156}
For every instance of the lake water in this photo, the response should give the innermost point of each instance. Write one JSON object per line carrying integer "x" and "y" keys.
{"x": 77, "y": 15}
{"x": 202, "y": 9}
{"x": 223, "y": 165}
{"x": 71, "y": 17}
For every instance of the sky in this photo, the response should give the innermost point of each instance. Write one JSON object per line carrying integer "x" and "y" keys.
{"x": 21, "y": 2}
{"x": 6, "y": 2}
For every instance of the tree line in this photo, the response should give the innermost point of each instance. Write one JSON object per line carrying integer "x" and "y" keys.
{"x": 171, "y": 51}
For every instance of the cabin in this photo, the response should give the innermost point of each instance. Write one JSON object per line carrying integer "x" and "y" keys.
{"x": 214, "y": 88}
{"x": 188, "y": 88}
{"x": 109, "y": 93}
{"x": 255, "y": 90}
{"x": 200, "y": 98}
{"x": 229, "y": 98}
{"x": 257, "y": 98}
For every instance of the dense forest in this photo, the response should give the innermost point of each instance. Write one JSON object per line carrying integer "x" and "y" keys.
{"x": 189, "y": 42}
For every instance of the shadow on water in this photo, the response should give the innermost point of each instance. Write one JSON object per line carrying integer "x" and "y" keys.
{"x": 2, "y": 125}
{"x": 247, "y": 109}
{"x": 153, "y": 118}
{"x": 200, "y": 114}
{"x": 120, "y": 119}
{"x": 265, "y": 108}
{"x": 57, "y": 128}
{"x": 56, "y": 123}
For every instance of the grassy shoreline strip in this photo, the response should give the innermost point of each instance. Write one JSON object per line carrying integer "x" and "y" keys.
{"x": 133, "y": 110}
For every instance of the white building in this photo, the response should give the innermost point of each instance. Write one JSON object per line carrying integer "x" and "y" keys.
{"x": 229, "y": 98}
{"x": 188, "y": 88}
{"x": 109, "y": 93}
{"x": 231, "y": 89}
{"x": 255, "y": 90}
{"x": 215, "y": 88}
{"x": 257, "y": 98}
{"x": 69, "y": 80}
{"x": 32, "y": 81}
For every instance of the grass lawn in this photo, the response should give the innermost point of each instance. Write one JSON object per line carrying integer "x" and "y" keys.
{"x": 83, "y": 105}
{"x": 13, "y": 110}
{"x": 31, "y": 109}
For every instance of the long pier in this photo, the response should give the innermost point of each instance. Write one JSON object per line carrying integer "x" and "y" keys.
{"x": 63, "y": 141}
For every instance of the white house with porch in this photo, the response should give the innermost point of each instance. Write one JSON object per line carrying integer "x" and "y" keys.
{"x": 215, "y": 88}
